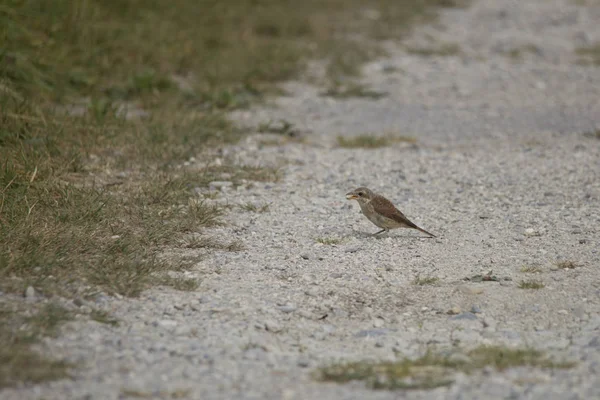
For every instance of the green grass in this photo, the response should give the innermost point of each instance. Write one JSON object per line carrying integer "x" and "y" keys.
{"x": 433, "y": 369}
{"x": 441, "y": 49}
{"x": 91, "y": 195}
{"x": 352, "y": 89}
{"x": 329, "y": 241}
{"x": 19, "y": 363}
{"x": 371, "y": 141}
{"x": 531, "y": 284}
{"x": 430, "y": 280}
{"x": 589, "y": 54}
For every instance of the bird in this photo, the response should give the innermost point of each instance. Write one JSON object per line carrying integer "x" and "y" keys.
{"x": 381, "y": 211}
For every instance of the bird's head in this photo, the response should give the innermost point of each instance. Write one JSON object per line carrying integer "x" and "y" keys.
{"x": 362, "y": 194}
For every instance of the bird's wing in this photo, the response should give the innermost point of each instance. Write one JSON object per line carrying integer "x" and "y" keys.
{"x": 385, "y": 207}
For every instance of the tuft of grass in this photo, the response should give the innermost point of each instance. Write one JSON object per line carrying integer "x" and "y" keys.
{"x": 434, "y": 370}
{"x": 181, "y": 283}
{"x": 103, "y": 317}
{"x": 353, "y": 89}
{"x": 568, "y": 264}
{"x": 589, "y": 54}
{"x": 256, "y": 208}
{"x": 519, "y": 52}
{"x": 137, "y": 394}
{"x": 430, "y": 280}
{"x": 371, "y": 141}
{"x": 531, "y": 284}
{"x": 329, "y": 241}
{"x": 440, "y": 50}
{"x": 19, "y": 363}
{"x": 531, "y": 269}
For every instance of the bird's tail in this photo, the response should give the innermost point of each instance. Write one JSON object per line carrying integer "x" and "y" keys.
{"x": 424, "y": 231}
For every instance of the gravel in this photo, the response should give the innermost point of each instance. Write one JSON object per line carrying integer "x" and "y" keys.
{"x": 501, "y": 172}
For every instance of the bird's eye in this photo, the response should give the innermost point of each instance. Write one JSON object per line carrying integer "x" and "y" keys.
{"x": 360, "y": 193}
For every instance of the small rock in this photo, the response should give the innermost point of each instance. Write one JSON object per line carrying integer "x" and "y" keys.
{"x": 78, "y": 302}
{"x": 453, "y": 311}
{"x": 30, "y": 293}
{"x": 378, "y": 323}
{"x": 475, "y": 309}
{"x": 379, "y": 343}
{"x": 273, "y": 326}
{"x": 371, "y": 333}
{"x": 166, "y": 323}
{"x": 288, "y": 308}
{"x": 563, "y": 312}
{"x": 467, "y": 289}
{"x": 352, "y": 249}
{"x": 311, "y": 292}
{"x": 305, "y": 256}
{"x": 303, "y": 362}
{"x": 530, "y": 232}
{"x": 464, "y": 316}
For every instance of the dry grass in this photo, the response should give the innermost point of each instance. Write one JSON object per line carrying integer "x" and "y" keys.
{"x": 567, "y": 264}
{"x": 256, "y": 208}
{"x": 531, "y": 269}
{"x": 371, "y": 141}
{"x": 434, "y": 370}
{"x": 439, "y": 50}
{"x": 329, "y": 241}
{"x": 352, "y": 89}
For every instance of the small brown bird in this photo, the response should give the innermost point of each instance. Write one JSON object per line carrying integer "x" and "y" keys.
{"x": 381, "y": 211}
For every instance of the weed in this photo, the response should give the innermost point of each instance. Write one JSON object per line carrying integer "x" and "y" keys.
{"x": 531, "y": 284}
{"x": 434, "y": 370}
{"x": 103, "y": 317}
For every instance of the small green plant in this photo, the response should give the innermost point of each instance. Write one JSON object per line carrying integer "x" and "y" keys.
{"x": 430, "y": 280}
{"x": 329, "y": 241}
{"x": 433, "y": 369}
{"x": 531, "y": 284}
{"x": 256, "y": 208}
{"x": 371, "y": 141}
{"x": 531, "y": 269}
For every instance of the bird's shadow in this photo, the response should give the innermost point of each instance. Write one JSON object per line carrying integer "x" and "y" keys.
{"x": 362, "y": 234}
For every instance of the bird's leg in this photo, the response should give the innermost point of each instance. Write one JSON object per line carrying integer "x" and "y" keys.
{"x": 381, "y": 231}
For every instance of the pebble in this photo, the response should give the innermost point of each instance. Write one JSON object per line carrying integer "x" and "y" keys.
{"x": 454, "y": 311}
{"x": 287, "y": 308}
{"x": 166, "y": 323}
{"x": 464, "y": 316}
{"x": 475, "y": 309}
{"x": 30, "y": 293}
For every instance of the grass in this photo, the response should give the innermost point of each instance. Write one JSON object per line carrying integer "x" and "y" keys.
{"x": 371, "y": 141}
{"x": 589, "y": 54}
{"x": 352, "y": 89}
{"x": 430, "y": 280}
{"x": 531, "y": 269}
{"x": 22, "y": 326}
{"x": 531, "y": 284}
{"x": 433, "y": 369}
{"x": 103, "y": 317}
{"x": 592, "y": 134}
{"x": 101, "y": 105}
{"x": 440, "y": 50}
{"x": 329, "y": 241}
{"x": 519, "y": 52}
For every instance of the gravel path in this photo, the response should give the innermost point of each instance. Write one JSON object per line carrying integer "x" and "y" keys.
{"x": 501, "y": 171}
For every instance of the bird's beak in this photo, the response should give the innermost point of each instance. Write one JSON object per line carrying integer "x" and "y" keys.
{"x": 351, "y": 196}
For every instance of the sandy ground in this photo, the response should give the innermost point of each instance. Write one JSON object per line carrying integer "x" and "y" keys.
{"x": 501, "y": 171}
